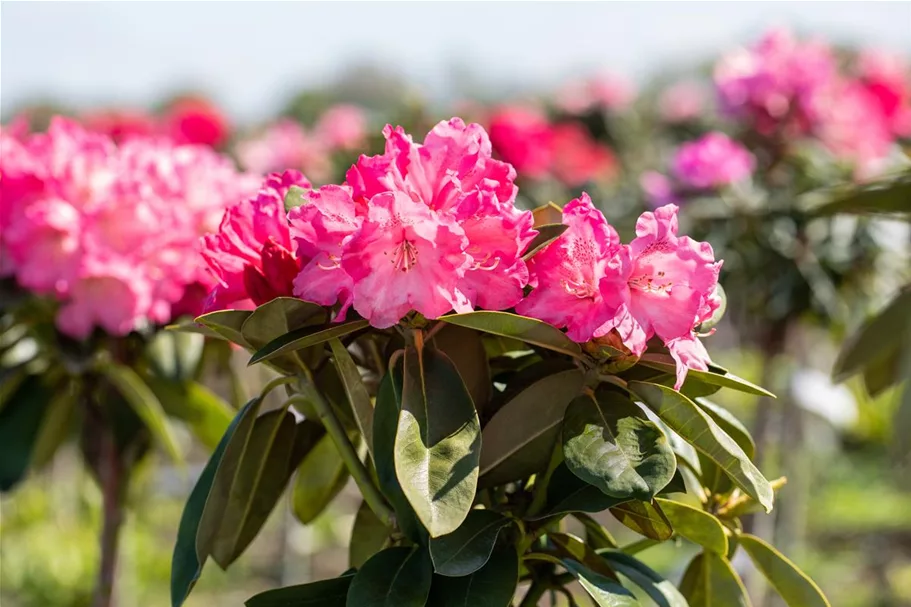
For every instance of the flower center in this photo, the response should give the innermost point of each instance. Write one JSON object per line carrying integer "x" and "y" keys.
{"x": 651, "y": 284}
{"x": 404, "y": 256}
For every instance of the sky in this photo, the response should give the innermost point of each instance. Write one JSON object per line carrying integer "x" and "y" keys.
{"x": 250, "y": 56}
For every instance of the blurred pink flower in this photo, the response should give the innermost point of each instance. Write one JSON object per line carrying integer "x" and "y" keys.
{"x": 712, "y": 161}
{"x": 522, "y": 137}
{"x": 658, "y": 189}
{"x": 887, "y": 77}
{"x": 604, "y": 91}
{"x": 197, "y": 121}
{"x": 342, "y": 127}
{"x": 681, "y": 102}
{"x": 578, "y": 158}
{"x": 121, "y": 124}
{"x": 285, "y": 145}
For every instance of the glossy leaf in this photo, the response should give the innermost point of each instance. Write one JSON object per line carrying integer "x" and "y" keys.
{"x": 194, "y": 404}
{"x": 609, "y": 443}
{"x": 571, "y": 547}
{"x": 324, "y": 593}
{"x": 701, "y": 431}
{"x": 188, "y": 559}
{"x": 144, "y": 403}
{"x": 695, "y": 525}
{"x": 304, "y": 337}
{"x": 568, "y": 493}
{"x": 645, "y": 518}
{"x": 228, "y": 324}
{"x": 368, "y": 536}
{"x": 547, "y": 233}
{"x": 730, "y": 424}
{"x": 56, "y": 424}
{"x": 465, "y": 349}
{"x": 276, "y": 318}
{"x": 321, "y": 475}
{"x": 355, "y": 390}
{"x": 880, "y": 338}
{"x": 466, "y": 549}
{"x": 528, "y": 330}
{"x": 395, "y": 577}
{"x": 710, "y": 581}
{"x": 518, "y": 439}
{"x": 726, "y": 379}
{"x": 660, "y": 590}
{"x": 20, "y": 425}
{"x": 493, "y": 585}
{"x": 605, "y": 591}
{"x": 437, "y": 442}
{"x": 794, "y": 586}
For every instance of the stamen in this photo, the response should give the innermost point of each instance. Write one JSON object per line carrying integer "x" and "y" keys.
{"x": 405, "y": 256}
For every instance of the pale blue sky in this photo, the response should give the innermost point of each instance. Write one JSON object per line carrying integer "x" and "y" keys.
{"x": 250, "y": 55}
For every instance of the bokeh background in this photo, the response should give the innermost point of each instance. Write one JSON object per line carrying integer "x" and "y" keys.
{"x": 845, "y": 514}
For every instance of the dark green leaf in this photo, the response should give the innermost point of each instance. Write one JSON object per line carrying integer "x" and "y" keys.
{"x": 275, "y": 319}
{"x": 324, "y": 593}
{"x": 196, "y": 405}
{"x": 438, "y": 442}
{"x": 701, "y": 431}
{"x": 570, "y": 547}
{"x": 355, "y": 389}
{"x": 725, "y": 380}
{"x": 596, "y": 535}
{"x": 320, "y": 477}
{"x": 304, "y": 337}
{"x": 395, "y": 577}
{"x": 466, "y": 549}
{"x": 493, "y": 585}
{"x": 568, "y": 493}
{"x": 228, "y": 324}
{"x": 517, "y": 441}
{"x": 187, "y": 562}
{"x": 547, "y": 233}
{"x": 794, "y": 586}
{"x": 368, "y": 536}
{"x": 890, "y": 195}
{"x": 175, "y": 355}
{"x": 609, "y": 443}
{"x": 645, "y": 518}
{"x": 880, "y": 338}
{"x": 466, "y": 351}
{"x": 529, "y": 330}
{"x": 20, "y": 425}
{"x": 56, "y": 424}
{"x": 710, "y": 581}
{"x": 144, "y": 403}
{"x": 663, "y": 592}
{"x": 605, "y": 591}
{"x": 695, "y": 525}
{"x": 730, "y": 424}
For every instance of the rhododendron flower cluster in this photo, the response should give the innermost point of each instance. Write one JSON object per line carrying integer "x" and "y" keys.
{"x": 712, "y": 161}
{"x": 525, "y": 138}
{"x": 287, "y": 144}
{"x": 189, "y": 120}
{"x": 603, "y": 91}
{"x": 112, "y": 232}
{"x": 660, "y": 284}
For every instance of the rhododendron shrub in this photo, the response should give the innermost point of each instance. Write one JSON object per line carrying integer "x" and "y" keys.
{"x": 100, "y": 246}
{"x": 483, "y": 373}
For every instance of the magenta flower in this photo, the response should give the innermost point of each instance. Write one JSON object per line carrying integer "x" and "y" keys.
{"x": 522, "y": 136}
{"x": 567, "y": 275}
{"x": 712, "y": 161}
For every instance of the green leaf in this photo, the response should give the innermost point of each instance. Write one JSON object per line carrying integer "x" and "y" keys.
{"x": 566, "y": 492}
{"x": 304, "y": 337}
{"x": 701, "y": 431}
{"x": 730, "y": 424}
{"x": 724, "y": 379}
{"x": 355, "y": 389}
{"x": 493, "y": 585}
{"x": 605, "y": 591}
{"x": 663, "y": 592}
{"x": 144, "y": 403}
{"x": 529, "y": 330}
{"x": 175, "y": 356}
{"x": 294, "y": 198}
{"x": 645, "y": 518}
{"x": 56, "y": 424}
{"x": 890, "y": 195}
{"x": 385, "y": 424}
{"x": 368, "y": 536}
{"x": 517, "y": 440}
{"x": 794, "y": 586}
{"x": 324, "y": 593}
{"x": 695, "y": 525}
{"x": 187, "y": 562}
{"x": 193, "y": 403}
{"x": 320, "y": 477}
{"x": 466, "y": 549}
{"x": 879, "y": 339}
{"x": 547, "y": 214}
{"x": 595, "y": 534}
{"x": 438, "y": 442}
{"x": 20, "y": 426}
{"x": 710, "y": 581}
{"x": 465, "y": 349}
{"x": 228, "y": 324}
{"x": 571, "y": 547}
{"x": 547, "y": 233}
{"x": 275, "y": 319}
{"x": 395, "y": 577}
{"x": 609, "y": 443}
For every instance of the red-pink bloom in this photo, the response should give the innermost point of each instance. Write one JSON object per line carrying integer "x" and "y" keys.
{"x": 251, "y": 254}
{"x": 342, "y": 127}
{"x": 121, "y": 125}
{"x": 681, "y": 102}
{"x": 522, "y": 136}
{"x": 578, "y": 158}
{"x": 197, "y": 121}
{"x": 568, "y": 274}
{"x": 887, "y": 78}
{"x": 712, "y": 161}
{"x": 666, "y": 287}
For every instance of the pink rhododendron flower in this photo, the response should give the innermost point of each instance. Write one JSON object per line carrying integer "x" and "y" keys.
{"x": 111, "y": 231}
{"x": 578, "y": 158}
{"x": 120, "y": 125}
{"x": 251, "y": 254}
{"x": 887, "y": 77}
{"x": 666, "y": 287}
{"x": 197, "y": 121}
{"x": 658, "y": 189}
{"x": 712, "y": 161}
{"x": 681, "y": 102}
{"x": 568, "y": 273}
{"x": 605, "y": 91}
{"x": 522, "y": 137}
{"x": 342, "y": 127}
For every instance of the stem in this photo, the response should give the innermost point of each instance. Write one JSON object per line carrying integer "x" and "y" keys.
{"x": 534, "y": 594}
{"x": 275, "y": 383}
{"x": 112, "y": 485}
{"x": 347, "y": 452}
